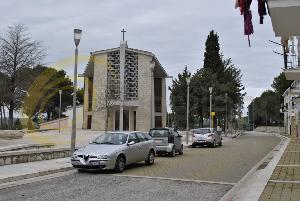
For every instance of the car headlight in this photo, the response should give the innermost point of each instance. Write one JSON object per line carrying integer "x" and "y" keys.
{"x": 74, "y": 156}
{"x": 102, "y": 157}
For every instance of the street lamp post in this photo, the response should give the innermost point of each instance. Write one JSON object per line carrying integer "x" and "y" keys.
{"x": 188, "y": 80}
{"x": 226, "y": 118}
{"x": 77, "y": 37}
{"x": 60, "y": 92}
{"x": 210, "y": 105}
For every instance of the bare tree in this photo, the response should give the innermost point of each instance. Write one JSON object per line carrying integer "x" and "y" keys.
{"x": 3, "y": 98}
{"x": 105, "y": 101}
{"x": 18, "y": 52}
{"x": 4, "y": 116}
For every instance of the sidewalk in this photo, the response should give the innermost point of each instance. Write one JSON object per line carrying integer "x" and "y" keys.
{"x": 284, "y": 184}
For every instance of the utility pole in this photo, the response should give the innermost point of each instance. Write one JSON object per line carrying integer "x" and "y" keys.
{"x": 60, "y": 92}
{"x": 77, "y": 37}
{"x": 188, "y": 80}
{"x": 210, "y": 107}
{"x": 226, "y": 117}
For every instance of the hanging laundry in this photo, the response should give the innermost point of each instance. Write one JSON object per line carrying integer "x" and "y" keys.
{"x": 262, "y": 11}
{"x": 246, "y": 12}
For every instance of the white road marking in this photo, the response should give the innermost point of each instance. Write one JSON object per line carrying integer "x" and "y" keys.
{"x": 177, "y": 179}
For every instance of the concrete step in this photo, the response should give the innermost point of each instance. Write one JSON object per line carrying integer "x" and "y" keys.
{"x": 25, "y": 156}
{"x": 19, "y": 147}
{"x": 10, "y": 173}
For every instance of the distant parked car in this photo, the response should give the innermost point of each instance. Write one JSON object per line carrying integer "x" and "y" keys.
{"x": 206, "y": 136}
{"x": 115, "y": 150}
{"x": 168, "y": 141}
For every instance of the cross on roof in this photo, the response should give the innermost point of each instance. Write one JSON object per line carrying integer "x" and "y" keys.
{"x": 123, "y": 31}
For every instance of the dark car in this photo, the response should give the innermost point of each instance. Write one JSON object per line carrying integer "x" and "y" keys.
{"x": 168, "y": 141}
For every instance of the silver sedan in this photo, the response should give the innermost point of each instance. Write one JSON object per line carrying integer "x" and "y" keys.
{"x": 114, "y": 150}
{"x": 206, "y": 136}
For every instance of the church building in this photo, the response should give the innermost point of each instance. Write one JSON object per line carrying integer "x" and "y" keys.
{"x": 125, "y": 86}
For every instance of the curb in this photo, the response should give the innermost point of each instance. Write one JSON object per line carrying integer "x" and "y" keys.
{"x": 37, "y": 174}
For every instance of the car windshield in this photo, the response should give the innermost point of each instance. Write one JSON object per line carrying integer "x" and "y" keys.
{"x": 159, "y": 133}
{"x": 202, "y": 131}
{"x": 111, "y": 138}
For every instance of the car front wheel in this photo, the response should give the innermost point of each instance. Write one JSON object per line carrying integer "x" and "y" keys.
{"x": 120, "y": 164}
{"x": 150, "y": 158}
{"x": 213, "y": 144}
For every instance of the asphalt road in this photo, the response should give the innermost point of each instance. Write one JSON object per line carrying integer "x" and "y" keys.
{"x": 227, "y": 164}
{"x": 95, "y": 187}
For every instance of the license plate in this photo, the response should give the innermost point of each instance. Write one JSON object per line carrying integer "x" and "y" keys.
{"x": 158, "y": 141}
{"x": 95, "y": 163}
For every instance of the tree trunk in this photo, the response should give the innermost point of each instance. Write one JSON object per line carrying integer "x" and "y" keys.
{"x": 30, "y": 124}
{"x": 48, "y": 115}
{"x": 201, "y": 121}
{"x": 11, "y": 116}
{"x": 12, "y": 100}
{"x": 1, "y": 116}
{"x": 4, "y": 115}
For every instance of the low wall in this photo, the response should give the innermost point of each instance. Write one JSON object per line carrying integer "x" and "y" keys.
{"x": 14, "y": 157}
{"x": 11, "y": 134}
{"x": 270, "y": 129}
{"x": 26, "y": 147}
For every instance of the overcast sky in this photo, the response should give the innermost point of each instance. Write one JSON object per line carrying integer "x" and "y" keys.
{"x": 175, "y": 31}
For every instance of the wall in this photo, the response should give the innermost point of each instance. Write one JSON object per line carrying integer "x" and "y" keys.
{"x": 100, "y": 77}
{"x": 143, "y": 112}
{"x": 11, "y": 134}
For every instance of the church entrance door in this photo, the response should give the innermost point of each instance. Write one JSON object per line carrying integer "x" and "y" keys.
{"x": 125, "y": 120}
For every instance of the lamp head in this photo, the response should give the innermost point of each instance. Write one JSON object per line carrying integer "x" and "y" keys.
{"x": 77, "y": 36}
{"x": 188, "y": 80}
{"x": 210, "y": 89}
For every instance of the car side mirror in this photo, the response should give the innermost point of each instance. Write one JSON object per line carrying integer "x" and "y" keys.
{"x": 131, "y": 143}
{"x": 180, "y": 136}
